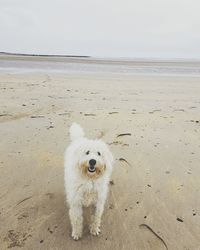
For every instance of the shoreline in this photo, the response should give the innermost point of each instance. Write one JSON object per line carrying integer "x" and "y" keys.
{"x": 110, "y": 59}
{"x": 84, "y": 65}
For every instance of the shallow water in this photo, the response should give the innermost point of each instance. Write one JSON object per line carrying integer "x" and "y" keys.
{"x": 34, "y": 64}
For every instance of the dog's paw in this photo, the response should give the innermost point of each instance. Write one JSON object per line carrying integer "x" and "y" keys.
{"x": 76, "y": 236}
{"x": 94, "y": 230}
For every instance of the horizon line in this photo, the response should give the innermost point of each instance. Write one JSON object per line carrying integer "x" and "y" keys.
{"x": 106, "y": 58}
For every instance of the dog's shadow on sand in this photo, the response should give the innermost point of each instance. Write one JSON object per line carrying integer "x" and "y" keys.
{"x": 42, "y": 221}
{"x": 40, "y": 218}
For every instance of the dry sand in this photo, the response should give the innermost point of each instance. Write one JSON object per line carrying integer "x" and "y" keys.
{"x": 154, "y": 200}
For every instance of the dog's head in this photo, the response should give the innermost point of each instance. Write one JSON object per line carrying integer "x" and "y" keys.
{"x": 94, "y": 159}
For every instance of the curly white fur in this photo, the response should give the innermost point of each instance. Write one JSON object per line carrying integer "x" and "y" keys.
{"x": 83, "y": 187}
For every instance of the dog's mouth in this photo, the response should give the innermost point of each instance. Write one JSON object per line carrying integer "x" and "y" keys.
{"x": 92, "y": 172}
{"x": 91, "y": 169}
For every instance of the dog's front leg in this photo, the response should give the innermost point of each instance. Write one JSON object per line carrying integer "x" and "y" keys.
{"x": 96, "y": 218}
{"x": 76, "y": 218}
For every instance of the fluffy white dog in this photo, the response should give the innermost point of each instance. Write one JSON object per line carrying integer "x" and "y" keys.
{"x": 88, "y": 166}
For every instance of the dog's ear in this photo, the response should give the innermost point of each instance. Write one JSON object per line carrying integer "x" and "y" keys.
{"x": 108, "y": 156}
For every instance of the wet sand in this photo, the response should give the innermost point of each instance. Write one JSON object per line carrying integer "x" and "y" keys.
{"x": 154, "y": 194}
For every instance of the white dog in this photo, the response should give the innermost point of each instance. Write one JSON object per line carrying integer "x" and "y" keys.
{"x": 88, "y": 166}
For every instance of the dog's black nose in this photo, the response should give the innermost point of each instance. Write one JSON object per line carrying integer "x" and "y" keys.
{"x": 92, "y": 162}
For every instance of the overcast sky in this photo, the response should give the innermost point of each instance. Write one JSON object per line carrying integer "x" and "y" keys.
{"x": 103, "y": 28}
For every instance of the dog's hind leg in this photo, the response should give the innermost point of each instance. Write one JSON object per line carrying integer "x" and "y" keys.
{"x": 76, "y": 218}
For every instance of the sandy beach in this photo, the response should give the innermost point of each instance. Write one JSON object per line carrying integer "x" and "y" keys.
{"x": 153, "y": 202}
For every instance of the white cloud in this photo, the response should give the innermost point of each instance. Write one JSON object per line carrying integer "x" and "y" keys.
{"x": 121, "y": 28}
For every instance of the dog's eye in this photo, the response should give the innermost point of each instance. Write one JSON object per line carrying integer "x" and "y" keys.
{"x": 87, "y": 153}
{"x": 99, "y": 153}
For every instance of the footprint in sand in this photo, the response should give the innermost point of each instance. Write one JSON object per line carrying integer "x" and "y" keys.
{"x": 16, "y": 239}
